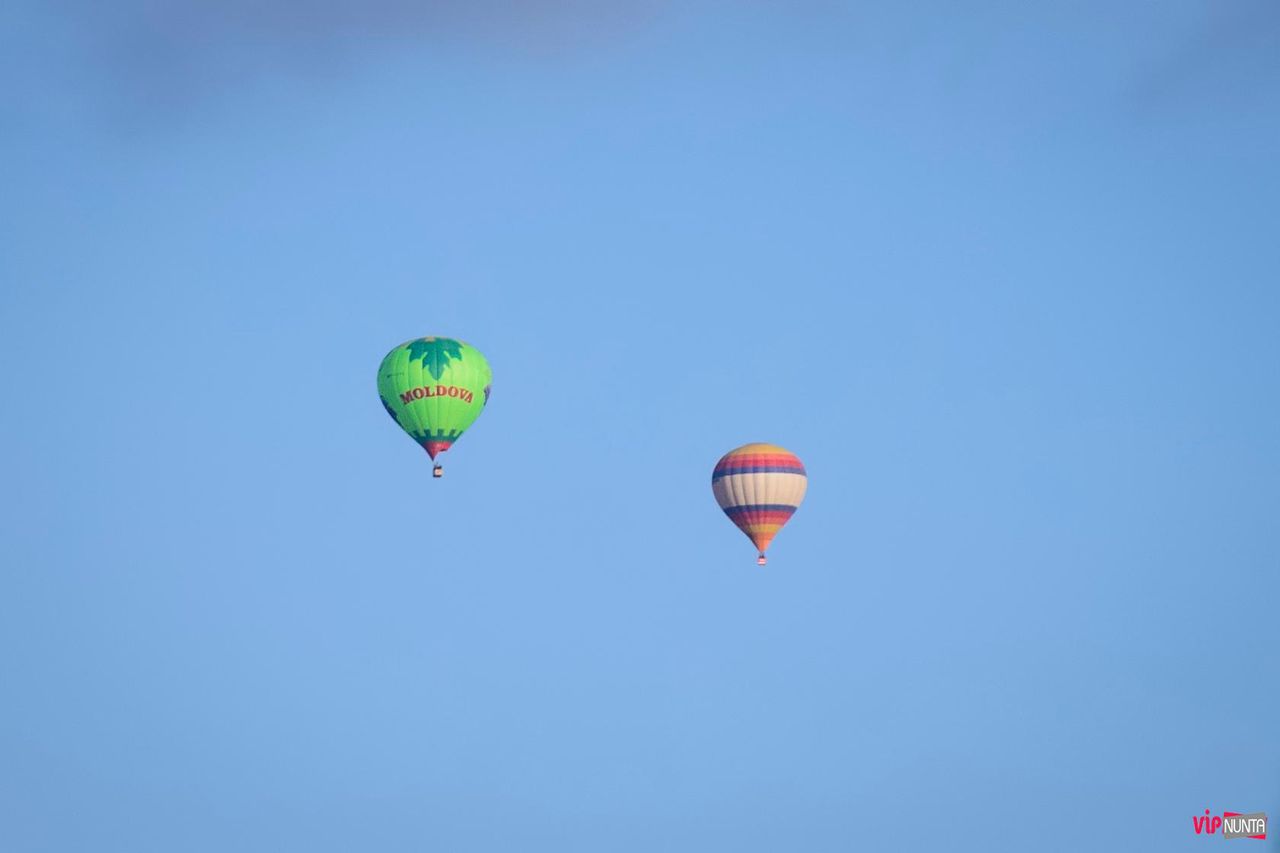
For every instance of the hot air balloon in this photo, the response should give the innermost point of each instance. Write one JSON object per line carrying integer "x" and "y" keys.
{"x": 434, "y": 388}
{"x": 759, "y": 486}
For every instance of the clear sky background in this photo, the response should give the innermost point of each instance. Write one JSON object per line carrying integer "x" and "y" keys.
{"x": 1004, "y": 276}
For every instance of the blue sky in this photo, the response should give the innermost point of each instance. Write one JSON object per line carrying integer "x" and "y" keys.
{"x": 1004, "y": 277}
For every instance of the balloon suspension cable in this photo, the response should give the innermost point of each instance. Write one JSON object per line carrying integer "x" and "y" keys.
{"x": 437, "y": 471}
{"x": 760, "y": 561}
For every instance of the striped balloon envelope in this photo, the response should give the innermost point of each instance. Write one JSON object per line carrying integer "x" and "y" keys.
{"x": 759, "y": 486}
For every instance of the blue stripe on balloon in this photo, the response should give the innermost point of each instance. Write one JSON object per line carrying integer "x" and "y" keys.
{"x": 729, "y": 471}
{"x": 745, "y": 508}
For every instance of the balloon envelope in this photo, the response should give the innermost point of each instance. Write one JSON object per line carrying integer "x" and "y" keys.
{"x": 434, "y": 388}
{"x": 759, "y": 486}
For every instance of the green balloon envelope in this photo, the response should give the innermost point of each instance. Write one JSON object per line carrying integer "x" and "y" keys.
{"x": 434, "y": 388}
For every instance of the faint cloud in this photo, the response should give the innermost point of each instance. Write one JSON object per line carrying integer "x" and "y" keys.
{"x": 1235, "y": 54}
{"x": 185, "y": 46}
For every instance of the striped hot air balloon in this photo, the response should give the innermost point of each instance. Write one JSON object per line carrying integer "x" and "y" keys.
{"x": 759, "y": 486}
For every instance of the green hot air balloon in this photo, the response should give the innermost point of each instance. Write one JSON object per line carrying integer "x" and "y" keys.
{"x": 434, "y": 388}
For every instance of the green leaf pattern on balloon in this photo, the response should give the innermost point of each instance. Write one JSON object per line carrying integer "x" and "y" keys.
{"x": 435, "y": 353}
{"x": 421, "y": 435}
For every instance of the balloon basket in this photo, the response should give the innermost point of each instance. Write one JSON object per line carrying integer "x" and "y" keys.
{"x": 760, "y": 561}
{"x": 437, "y": 471}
